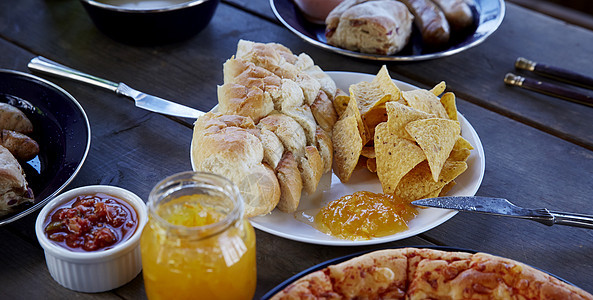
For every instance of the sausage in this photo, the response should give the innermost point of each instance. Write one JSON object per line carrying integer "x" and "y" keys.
{"x": 431, "y": 21}
{"x": 458, "y": 13}
{"x": 12, "y": 118}
{"x": 21, "y": 146}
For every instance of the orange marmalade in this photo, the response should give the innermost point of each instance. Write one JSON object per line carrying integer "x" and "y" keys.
{"x": 365, "y": 215}
{"x": 194, "y": 247}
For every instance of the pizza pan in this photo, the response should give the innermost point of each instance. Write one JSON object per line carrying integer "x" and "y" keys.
{"x": 341, "y": 259}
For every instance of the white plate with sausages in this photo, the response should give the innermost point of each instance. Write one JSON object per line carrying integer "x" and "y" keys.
{"x": 296, "y": 227}
{"x": 487, "y": 14}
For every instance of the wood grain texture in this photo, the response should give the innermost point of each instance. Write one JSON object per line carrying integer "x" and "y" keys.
{"x": 280, "y": 259}
{"x": 476, "y": 74}
{"x": 538, "y": 149}
{"x": 24, "y": 274}
{"x": 534, "y": 170}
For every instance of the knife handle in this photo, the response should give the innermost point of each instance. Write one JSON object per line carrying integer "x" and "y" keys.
{"x": 571, "y": 219}
{"x": 554, "y": 72}
{"x": 45, "y": 65}
{"x": 548, "y": 89}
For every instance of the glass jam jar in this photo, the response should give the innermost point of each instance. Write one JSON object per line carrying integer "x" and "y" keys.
{"x": 197, "y": 243}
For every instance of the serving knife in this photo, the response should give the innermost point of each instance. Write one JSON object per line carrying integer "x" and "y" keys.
{"x": 503, "y": 207}
{"x": 142, "y": 100}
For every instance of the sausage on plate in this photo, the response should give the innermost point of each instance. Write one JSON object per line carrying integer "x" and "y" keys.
{"x": 12, "y": 118}
{"x": 21, "y": 146}
{"x": 458, "y": 13}
{"x": 431, "y": 21}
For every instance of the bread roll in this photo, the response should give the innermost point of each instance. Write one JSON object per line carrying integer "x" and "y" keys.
{"x": 376, "y": 27}
{"x": 14, "y": 189}
{"x": 236, "y": 99}
{"x": 226, "y": 145}
{"x": 324, "y": 112}
{"x": 265, "y": 137}
{"x": 273, "y": 148}
{"x": 291, "y": 183}
{"x": 311, "y": 168}
{"x": 271, "y": 57}
{"x": 290, "y": 133}
{"x": 325, "y": 147}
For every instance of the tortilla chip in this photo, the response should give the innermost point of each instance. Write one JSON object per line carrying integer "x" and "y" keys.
{"x": 418, "y": 182}
{"x": 462, "y": 143}
{"x": 436, "y": 137}
{"x": 372, "y": 165}
{"x": 341, "y": 101}
{"x": 442, "y": 191}
{"x": 448, "y": 102}
{"x": 432, "y": 194}
{"x": 425, "y": 101}
{"x": 372, "y": 118}
{"x": 395, "y": 157}
{"x": 347, "y": 147}
{"x": 368, "y": 152}
{"x": 386, "y": 84}
{"x": 439, "y": 88}
{"x": 352, "y": 110}
{"x": 459, "y": 154}
{"x": 368, "y": 95}
{"x": 447, "y": 188}
{"x": 362, "y": 162}
{"x": 399, "y": 115}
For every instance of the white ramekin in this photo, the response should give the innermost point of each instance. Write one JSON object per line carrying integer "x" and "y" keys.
{"x": 99, "y": 271}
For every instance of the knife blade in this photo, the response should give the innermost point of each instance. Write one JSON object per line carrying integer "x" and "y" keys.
{"x": 141, "y": 100}
{"x": 503, "y": 207}
{"x": 157, "y": 104}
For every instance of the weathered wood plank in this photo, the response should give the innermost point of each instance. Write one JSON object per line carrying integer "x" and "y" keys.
{"x": 134, "y": 149}
{"x": 25, "y": 275}
{"x": 279, "y": 259}
{"x": 536, "y": 170}
{"x": 476, "y": 74}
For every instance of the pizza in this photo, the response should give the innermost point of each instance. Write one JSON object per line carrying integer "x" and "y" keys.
{"x": 418, "y": 273}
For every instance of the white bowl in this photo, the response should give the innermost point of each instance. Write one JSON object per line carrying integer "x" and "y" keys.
{"x": 93, "y": 271}
{"x": 316, "y": 11}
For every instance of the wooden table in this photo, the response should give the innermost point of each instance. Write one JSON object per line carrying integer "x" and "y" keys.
{"x": 538, "y": 149}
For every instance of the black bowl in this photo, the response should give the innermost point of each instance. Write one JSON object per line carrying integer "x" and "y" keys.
{"x": 151, "y": 26}
{"x": 60, "y": 127}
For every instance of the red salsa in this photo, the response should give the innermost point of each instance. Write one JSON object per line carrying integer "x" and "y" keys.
{"x": 91, "y": 223}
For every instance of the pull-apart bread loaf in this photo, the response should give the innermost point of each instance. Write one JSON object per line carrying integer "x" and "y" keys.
{"x": 412, "y": 273}
{"x": 271, "y": 134}
{"x": 377, "y": 27}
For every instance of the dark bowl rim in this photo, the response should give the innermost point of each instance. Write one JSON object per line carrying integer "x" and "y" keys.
{"x": 85, "y": 123}
{"x": 115, "y": 8}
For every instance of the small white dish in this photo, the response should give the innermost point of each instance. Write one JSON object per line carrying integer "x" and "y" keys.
{"x": 93, "y": 271}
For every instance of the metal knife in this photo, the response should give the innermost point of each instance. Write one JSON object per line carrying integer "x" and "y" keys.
{"x": 142, "y": 100}
{"x": 503, "y": 207}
